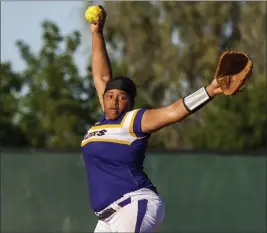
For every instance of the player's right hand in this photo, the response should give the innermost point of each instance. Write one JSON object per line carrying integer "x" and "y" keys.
{"x": 99, "y": 26}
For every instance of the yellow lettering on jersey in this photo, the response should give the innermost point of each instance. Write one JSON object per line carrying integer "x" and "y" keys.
{"x": 122, "y": 133}
{"x": 105, "y": 140}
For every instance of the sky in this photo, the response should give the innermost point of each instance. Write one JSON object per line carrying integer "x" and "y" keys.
{"x": 22, "y": 20}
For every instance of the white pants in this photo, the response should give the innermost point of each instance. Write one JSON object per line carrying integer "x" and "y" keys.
{"x": 145, "y": 213}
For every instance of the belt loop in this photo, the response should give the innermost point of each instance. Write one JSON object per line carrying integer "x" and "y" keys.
{"x": 125, "y": 202}
{"x": 113, "y": 208}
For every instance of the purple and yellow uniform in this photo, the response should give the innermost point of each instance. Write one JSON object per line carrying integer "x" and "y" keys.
{"x": 114, "y": 152}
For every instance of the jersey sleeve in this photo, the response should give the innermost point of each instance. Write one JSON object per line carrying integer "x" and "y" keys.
{"x": 137, "y": 119}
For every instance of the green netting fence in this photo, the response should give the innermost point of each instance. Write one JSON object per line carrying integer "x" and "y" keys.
{"x": 46, "y": 192}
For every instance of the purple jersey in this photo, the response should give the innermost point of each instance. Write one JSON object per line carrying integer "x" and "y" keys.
{"x": 114, "y": 152}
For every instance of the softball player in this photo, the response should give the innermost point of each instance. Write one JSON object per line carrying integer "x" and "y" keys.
{"x": 121, "y": 194}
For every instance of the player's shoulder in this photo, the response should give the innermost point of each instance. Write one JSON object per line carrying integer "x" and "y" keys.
{"x": 137, "y": 111}
{"x": 136, "y": 116}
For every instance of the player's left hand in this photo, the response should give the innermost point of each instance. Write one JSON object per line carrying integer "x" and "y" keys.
{"x": 214, "y": 89}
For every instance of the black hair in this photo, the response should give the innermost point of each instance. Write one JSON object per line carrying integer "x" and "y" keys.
{"x": 122, "y": 83}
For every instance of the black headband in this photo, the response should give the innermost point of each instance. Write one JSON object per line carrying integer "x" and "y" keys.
{"x": 124, "y": 84}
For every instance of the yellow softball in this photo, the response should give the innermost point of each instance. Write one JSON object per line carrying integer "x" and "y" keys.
{"x": 93, "y": 14}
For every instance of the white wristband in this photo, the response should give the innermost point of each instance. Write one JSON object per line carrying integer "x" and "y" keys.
{"x": 196, "y": 100}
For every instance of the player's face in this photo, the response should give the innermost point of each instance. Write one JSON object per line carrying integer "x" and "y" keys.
{"x": 115, "y": 103}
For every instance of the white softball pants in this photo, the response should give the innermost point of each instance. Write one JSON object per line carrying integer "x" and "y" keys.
{"x": 145, "y": 213}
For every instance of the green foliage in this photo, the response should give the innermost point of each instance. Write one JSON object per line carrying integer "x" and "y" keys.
{"x": 237, "y": 122}
{"x": 59, "y": 103}
{"x": 172, "y": 49}
{"x": 11, "y": 84}
{"x": 169, "y": 49}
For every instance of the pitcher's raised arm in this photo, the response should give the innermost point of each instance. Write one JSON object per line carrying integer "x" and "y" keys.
{"x": 101, "y": 67}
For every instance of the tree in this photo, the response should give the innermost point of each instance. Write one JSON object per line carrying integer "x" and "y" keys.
{"x": 240, "y": 122}
{"x": 59, "y": 103}
{"x": 173, "y": 48}
{"x": 11, "y": 85}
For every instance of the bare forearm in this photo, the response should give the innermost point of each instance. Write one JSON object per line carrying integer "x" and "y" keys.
{"x": 155, "y": 119}
{"x": 101, "y": 66}
{"x": 177, "y": 111}
{"x": 181, "y": 108}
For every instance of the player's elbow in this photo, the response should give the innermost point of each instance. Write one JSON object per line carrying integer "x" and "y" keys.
{"x": 101, "y": 78}
{"x": 176, "y": 112}
{"x": 100, "y": 82}
{"x": 105, "y": 78}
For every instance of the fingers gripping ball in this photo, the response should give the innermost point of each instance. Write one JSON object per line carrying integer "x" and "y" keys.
{"x": 94, "y": 13}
